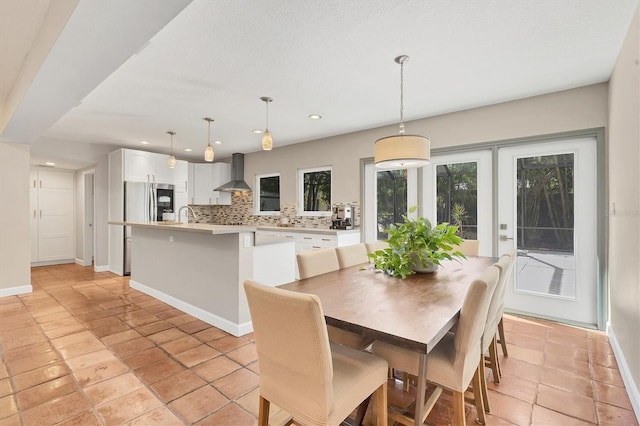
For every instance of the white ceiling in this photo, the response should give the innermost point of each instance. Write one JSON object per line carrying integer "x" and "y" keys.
{"x": 331, "y": 57}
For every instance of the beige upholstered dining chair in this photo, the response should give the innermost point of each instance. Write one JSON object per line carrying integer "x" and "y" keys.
{"x": 375, "y": 246}
{"x": 469, "y": 247}
{"x": 354, "y": 254}
{"x": 318, "y": 383}
{"x": 494, "y": 316}
{"x": 454, "y": 362}
{"x": 316, "y": 262}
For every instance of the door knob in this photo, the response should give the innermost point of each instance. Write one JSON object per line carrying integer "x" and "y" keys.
{"x": 505, "y": 238}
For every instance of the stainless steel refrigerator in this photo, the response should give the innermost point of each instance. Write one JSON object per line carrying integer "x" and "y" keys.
{"x": 144, "y": 202}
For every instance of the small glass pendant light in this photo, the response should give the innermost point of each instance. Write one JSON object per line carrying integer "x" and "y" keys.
{"x": 171, "y": 162}
{"x": 267, "y": 140}
{"x": 208, "y": 152}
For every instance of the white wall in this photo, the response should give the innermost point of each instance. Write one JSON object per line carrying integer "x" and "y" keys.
{"x": 15, "y": 250}
{"x": 624, "y": 221}
{"x": 101, "y": 182}
{"x": 580, "y": 108}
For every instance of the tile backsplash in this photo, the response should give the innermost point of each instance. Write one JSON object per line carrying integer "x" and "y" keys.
{"x": 241, "y": 212}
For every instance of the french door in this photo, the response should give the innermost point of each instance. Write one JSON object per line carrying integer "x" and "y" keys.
{"x": 457, "y": 189}
{"x": 539, "y": 198}
{"x": 547, "y": 210}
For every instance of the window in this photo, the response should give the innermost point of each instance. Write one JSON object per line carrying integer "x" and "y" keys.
{"x": 267, "y": 194}
{"x": 457, "y": 197}
{"x": 314, "y": 191}
{"x": 391, "y": 199}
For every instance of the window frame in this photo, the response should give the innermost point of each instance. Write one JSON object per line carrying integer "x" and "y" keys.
{"x": 256, "y": 196}
{"x": 300, "y": 204}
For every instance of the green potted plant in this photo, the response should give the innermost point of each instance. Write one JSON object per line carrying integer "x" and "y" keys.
{"x": 417, "y": 246}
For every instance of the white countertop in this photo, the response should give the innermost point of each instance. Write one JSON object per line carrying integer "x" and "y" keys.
{"x": 324, "y": 231}
{"x": 230, "y": 229}
{"x": 191, "y": 227}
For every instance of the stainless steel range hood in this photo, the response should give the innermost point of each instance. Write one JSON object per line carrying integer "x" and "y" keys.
{"x": 237, "y": 182}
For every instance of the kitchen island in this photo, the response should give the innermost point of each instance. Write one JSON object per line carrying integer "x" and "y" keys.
{"x": 200, "y": 268}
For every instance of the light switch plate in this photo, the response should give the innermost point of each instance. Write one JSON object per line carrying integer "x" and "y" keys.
{"x": 247, "y": 241}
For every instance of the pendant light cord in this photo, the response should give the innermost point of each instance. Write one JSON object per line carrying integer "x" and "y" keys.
{"x": 267, "y": 125}
{"x": 402, "y": 97}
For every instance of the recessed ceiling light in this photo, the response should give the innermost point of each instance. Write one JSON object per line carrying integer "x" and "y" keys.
{"x": 144, "y": 142}
{"x": 258, "y": 131}
{"x": 50, "y": 163}
{"x": 188, "y": 149}
{"x": 217, "y": 142}
{"x": 315, "y": 116}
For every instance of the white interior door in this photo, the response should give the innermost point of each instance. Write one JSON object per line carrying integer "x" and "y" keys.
{"x": 548, "y": 210}
{"x": 461, "y": 182}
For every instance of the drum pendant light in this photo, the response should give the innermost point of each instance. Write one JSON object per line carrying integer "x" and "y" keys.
{"x": 267, "y": 140}
{"x": 171, "y": 162}
{"x": 208, "y": 152}
{"x": 402, "y": 151}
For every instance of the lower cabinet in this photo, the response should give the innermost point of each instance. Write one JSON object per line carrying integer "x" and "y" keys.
{"x": 51, "y": 196}
{"x": 306, "y": 241}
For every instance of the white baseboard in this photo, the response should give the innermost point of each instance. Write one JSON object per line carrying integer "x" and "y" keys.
{"x": 627, "y": 378}
{"x": 52, "y": 262}
{"x": 103, "y": 268}
{"x": 12, "y": 291}
{"x": 82, "y": 262}
{"x": 215, "y": 320}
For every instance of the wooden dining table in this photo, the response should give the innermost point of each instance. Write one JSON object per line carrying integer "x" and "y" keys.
{"x": 414, "y": 313}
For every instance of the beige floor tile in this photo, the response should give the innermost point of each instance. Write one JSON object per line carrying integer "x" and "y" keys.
{"x": 228, "y": 415}
{"x": 98, "y": 372}
{"x": 160, "y": 416}
{"x": 198, "y": 404}
{"x": 237, "y": 383}
{"x": 44, "y": 392}
{"x": 568, "y": 403}
{"x": 197, "y": 355}
{"x": 216, "y": 368}
{"x": 56, "y": 410}
{"x": 112, "y": 388}
{"x": 128, "y": 407}
{"x": 175, "y": 386}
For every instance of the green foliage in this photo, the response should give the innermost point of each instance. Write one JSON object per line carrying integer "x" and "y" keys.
{"x": 416, "y": 242}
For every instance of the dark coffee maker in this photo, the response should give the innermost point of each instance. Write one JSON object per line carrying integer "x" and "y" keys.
{"x": 342, "y": 217}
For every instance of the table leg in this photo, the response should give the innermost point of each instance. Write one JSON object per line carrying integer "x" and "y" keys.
{"x": 422, "y": 387}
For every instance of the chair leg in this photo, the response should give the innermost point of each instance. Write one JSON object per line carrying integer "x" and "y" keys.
{"x": 477, "y": 395}
{"x": 493, "y": 359}
{"x": 405, "y": 381}
{"x": 459, "y": 418}
{"x": 483, "y": 385}
{"x": 503, "y": 341}
{"x": 263, "y": 412}
{"x": 362, "y": 410}
{"x": 380, "y": 398}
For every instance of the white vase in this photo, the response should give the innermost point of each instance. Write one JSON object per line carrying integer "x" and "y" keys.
{"x": 418, "y": 267}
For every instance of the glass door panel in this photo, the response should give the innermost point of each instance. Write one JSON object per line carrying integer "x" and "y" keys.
{"x": 547, "y": 211}
{"x": 457, "y": 190}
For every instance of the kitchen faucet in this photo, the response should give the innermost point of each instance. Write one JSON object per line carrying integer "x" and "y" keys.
{"x": 189, "y": 209}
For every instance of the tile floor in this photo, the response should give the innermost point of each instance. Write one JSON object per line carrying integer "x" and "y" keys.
{"x": 85, "y": 349}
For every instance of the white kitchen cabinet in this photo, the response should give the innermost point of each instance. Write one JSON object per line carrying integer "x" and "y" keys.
{"x": 139, "y": 166}
{"x": 180, "y": 178}
{"x": 51, "y": 197}
{"x": 202, "y": 183}
{"x": 191, "y": 179}
{"x": 305, "y": 241}
{"x": 221, "y": 175}
{"x": 161, "y": 171}
{"x": 143, "y": 166}
{"x": 206, "y": 177}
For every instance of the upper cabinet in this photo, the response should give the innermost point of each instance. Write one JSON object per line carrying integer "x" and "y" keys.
{"x": 138, "y": 166}
{"x": 142, "y": 166}
{"x": 207, "y": 177}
